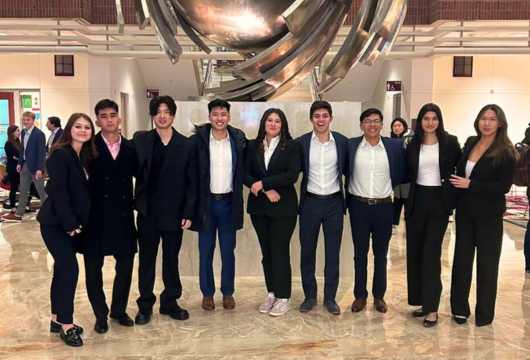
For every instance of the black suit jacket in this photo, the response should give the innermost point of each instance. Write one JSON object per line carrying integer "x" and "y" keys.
{"x": 11, "y": 152}
{"x": 489, "y": 182}
{"x": 281, "y": 175}
{"x": 178, "y": 183}
{"x": 449, "y": 156}
{"x": 68, "y": 202}
{"x": 341, "y": 143}
{"x": 111, "y": 229}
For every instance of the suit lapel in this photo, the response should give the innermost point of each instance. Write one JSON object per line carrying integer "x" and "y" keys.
{"x": 353, "y": 150}
{"x": 172, "y": 152}
{"x": 261, "y": 162}
{"x": 306, "y": 144}
{"x": 390, "y": 155}
{"x": 442, "y": 158}
{"x": 149, "y": 146}
{"x": 275, "y": 155}
{"x": 78, "y": 163}
{"x": 338, "y": 147}
{"x": 234, "y": 153}
{"x": 461, "y": 169}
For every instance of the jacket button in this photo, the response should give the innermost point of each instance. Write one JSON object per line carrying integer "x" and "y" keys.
{"x": 443, "y": 180}
{"x": 106, "y": 177}
{"x": 105, "y": 196}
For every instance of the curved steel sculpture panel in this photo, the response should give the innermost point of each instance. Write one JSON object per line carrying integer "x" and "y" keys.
{"x": 282, "y": 40}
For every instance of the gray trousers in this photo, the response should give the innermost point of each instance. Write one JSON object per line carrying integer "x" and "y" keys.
{"x": 26, "y": 178}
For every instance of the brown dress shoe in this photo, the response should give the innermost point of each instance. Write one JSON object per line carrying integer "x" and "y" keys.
{"x": 208, "y": 303}
{"x": 229, "y": 302}
{"x": 358, "y": 305}
{"x": 380, "y": 305}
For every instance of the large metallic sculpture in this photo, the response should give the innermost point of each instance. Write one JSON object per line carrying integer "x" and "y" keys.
{"x": 281, "y": 40}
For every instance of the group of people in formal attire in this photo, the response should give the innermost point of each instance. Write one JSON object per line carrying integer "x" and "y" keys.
{"x": 196, "y": 183}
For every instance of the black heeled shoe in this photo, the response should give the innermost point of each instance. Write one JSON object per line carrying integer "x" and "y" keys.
{"x": 418, "y": 313}
{"x": 460, "y": 320}
{"x": 430, "y": 323}
{"x": 56, "y": 327}
{"x": 71, "y": 337}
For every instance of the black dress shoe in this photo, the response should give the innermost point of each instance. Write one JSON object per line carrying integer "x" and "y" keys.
{"x": 418, "y": 313}
{"x": 332, "y": 306}
{"x": 71, "y": 337}
{"x": 56, "y": 328}
{"x": 430, "y": 323}
{"x": 176, "y": 313}
{"x": 143, "y": 317}
{"x": 459, "y": 320}
{"x": 308, "y": 305}
{"x": 101, "y": 326}
{"x": 123, "y": 320}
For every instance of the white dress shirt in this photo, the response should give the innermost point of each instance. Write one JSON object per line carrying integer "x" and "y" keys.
{"x": 269, "y": 149}
{"x": 371, "y": 172}
{"x": 323, "y": 166}
{"x": 51, "y": 138}
{"x": 221, "y": 175}
{"x": 429, "y": 166}
{"x": 26, "y": 139}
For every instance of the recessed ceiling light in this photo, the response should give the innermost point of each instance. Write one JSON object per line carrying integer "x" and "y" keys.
{"x": 3, "y": 34}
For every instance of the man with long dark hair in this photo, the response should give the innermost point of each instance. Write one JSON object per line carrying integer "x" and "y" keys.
{"x": 221, "y": 168}
{"x": 166, "y": 198}
{"x": 111, "y": 230}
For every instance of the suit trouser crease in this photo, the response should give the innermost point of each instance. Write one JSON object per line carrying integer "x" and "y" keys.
{"x": 221, "y": 211}
{"x": 149, "y": 240}
{"x": 121, "y": 286}
{"x": 26, "y": 178}
{"x": 486, "y": 236}
{"x": 274, "y": 235}
{"x": 426, "y": 226}
{"x": 65, "y": 271}
{"x": 328, "y": 213}
{"x": 374, "y": 220}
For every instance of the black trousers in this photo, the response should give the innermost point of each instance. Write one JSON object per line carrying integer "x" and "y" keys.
{"x": 65, "y": 271}
{"x": 274, "y": 235}
{"x": 328, "y": 214}
{"x": 398, "y": 207}
{"x": 120, "y": 289}
{"x": 148, "y": 240}
{"x": 426, "y": 226}
{"x": 374, "y": 220}
{"x": 14, "y": 182}
{"x": 484, "y": 234}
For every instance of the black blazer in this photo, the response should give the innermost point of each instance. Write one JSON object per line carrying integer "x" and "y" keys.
{"x": 282, "y": 174}
{"x": 341, "y": 143}
{"x": 449, "y": 156}
{"x": 111, "y": 229}
{"x": 485, "y": 195}
{"x": 178, "y": 183}
{"x": 68, "y": 202}
{"x": 11, "y": 151}
{"x": 238, "y": 144}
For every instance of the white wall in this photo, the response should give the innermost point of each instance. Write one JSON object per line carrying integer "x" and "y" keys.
{"x": 399, "y": 70}
{"x": 502, "y": 80}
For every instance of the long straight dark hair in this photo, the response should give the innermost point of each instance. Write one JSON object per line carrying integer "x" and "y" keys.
{"x": 88, "y": 150}
{"x": 284, "y": 132}
{"x": 419, "y": 134}
{"x": 11, "y": 137}
{"x": 502, "y": 146}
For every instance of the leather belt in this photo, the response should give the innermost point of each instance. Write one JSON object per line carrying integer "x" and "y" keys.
{"x": 323, "y": 197}
{"x": 222, "y": 196}
{"x": 373, "y": 201}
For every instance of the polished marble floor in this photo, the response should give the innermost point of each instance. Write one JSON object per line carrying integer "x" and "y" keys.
{"x": 244, "y": 333}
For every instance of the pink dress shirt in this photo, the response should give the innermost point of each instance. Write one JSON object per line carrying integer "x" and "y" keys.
{"x": 114, "y": 148}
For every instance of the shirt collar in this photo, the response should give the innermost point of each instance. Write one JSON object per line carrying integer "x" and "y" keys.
{"x": 314, "y": 136}
{"x": 108, "y": 142}
{"x": 274, "y": 142}
{"x": 379, "y": 144}
{"x": 30, "y": 129}
{"x": 227, "y": 138}
{"x": 55, "y": 131}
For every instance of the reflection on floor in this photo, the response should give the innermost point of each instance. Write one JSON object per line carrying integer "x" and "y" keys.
{"x": 244, "y": 333}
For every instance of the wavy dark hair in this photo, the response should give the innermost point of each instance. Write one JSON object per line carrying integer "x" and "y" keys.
{"x": 284, "y": 132}
{"x": 419, "y": 135}
{"x": 11, "y": 137}
{"x": 88, "y": 150}
{"x": 405, "y": 128}
{"x": 502, "y": 146}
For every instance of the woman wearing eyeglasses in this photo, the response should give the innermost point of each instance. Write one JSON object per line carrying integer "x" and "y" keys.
{"x": 484, "y": 176}
{"x": 432, "y": 156}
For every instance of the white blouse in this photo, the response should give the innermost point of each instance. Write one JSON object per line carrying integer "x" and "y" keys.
{"x": 470, "y": 165}
{"x": 269, "y": 149}
{"x": 429, "y": 166}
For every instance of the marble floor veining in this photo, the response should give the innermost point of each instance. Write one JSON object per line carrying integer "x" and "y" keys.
{"x": 244, "y": 333}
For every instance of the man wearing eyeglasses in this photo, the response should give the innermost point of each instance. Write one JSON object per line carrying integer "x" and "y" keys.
{"x": 376, "y": 166}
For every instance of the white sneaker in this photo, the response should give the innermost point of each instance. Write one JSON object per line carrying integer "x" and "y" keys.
{"x": 394, "y": 230}
{"x": 281, "y": 306}
{"x": 267, "y": 305}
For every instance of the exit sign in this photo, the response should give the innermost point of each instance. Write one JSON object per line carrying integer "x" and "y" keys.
{"x": 393, "y": 86}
